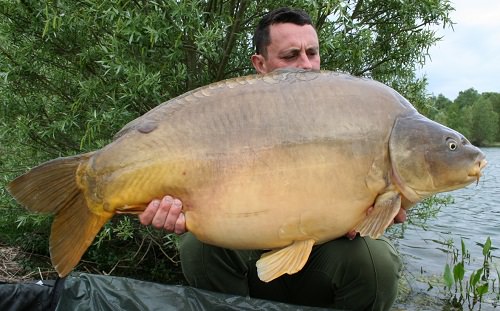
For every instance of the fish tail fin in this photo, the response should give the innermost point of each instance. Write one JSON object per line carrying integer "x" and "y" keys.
{"x": 49, "y": 187}
{"x": 73, "y": 231}
{"x": 52, "y": 188}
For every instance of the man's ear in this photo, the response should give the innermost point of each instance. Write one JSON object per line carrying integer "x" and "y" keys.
{"x": 259, "y": 63}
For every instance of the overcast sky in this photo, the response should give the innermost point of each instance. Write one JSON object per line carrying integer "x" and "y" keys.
{"x": 469, "y": 55}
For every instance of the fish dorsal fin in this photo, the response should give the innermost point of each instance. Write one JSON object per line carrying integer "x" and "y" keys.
{"x": 386, "y": 208}
{"x": 290, "y": 259}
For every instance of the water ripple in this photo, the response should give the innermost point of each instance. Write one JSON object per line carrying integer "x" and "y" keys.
{"x": 474, "y": 216}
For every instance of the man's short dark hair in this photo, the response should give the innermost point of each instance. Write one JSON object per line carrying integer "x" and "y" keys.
{"x": 262, "y": 38}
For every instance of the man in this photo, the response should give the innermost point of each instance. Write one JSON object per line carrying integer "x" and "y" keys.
{"x": 352, "y": 273}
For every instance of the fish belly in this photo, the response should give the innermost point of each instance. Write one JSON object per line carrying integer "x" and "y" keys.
{"x": 275, "y": 197}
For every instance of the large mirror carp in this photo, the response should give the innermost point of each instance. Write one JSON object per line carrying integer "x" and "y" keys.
{"x": 280, "y": 162}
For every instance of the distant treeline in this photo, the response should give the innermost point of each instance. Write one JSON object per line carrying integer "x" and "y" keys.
{"x": 475, "y": 115}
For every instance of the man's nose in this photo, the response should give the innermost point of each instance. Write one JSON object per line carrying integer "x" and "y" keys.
{"x": 304, "y": 62}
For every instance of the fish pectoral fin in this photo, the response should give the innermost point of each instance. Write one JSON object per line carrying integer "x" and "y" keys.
{"x": 290, "y": 260}
{"x": 386, "y": 208}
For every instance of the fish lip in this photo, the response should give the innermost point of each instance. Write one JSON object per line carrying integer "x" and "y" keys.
{"x": 482, "y": 163}
{"x": 476, "y": 172}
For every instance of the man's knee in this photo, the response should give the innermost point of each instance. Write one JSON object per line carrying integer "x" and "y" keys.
{"x": 384, "y": 266}
{"x": 365, "y": 274}
{"x": 214, "y": 268}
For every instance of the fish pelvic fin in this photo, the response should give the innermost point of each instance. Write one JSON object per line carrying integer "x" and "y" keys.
{"x": 290, "y": 260}
{"x": 52, "y": 187}
{"x": 381, "y": 216}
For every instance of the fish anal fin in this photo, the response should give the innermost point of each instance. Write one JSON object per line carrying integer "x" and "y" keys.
{"x": 289, "y": 260}
{"x": 386, "y": 207}
{"x": 73, "y": 231}
{"x": 131, "y": 209}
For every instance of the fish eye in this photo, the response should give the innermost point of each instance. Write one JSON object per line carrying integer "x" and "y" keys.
{"x": 452, "y": 144}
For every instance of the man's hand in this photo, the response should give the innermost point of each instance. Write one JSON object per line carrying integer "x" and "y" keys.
{"x": 400, "y": 216}
{"x": 165, "y": 214}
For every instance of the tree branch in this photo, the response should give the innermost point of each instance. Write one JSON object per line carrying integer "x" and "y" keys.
{"x": 239, "y": 11}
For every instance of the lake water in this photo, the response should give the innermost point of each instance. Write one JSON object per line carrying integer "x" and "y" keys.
{"x": 474, "y": 216}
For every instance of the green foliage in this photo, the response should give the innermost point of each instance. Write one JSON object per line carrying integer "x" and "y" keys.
{"x": 428, "y": 209}
{"x": 485, "y": 122}
{"x": 72, "y": 73}
{"x": 474, "y": 115}
{"x": 419, "y": 214}
{"x": 437, "y": 106}
{"x": 26, "y": 230}
{"x": 124, "y": 247}
{"x": 467, "y": 285}
{"x": 494, "y": 99}
{"x": 467, "y": 98}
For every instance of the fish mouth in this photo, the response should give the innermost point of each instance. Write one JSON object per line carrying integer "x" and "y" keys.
{"x": 476, "y": 172}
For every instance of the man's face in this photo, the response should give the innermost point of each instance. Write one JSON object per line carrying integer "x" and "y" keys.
{"x": 291, "y": 46}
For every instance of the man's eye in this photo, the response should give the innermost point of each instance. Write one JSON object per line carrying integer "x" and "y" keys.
{"x": 312, "y": 52}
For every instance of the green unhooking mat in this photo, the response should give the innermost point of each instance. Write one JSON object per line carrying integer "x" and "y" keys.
{"x": 108, "y": 293}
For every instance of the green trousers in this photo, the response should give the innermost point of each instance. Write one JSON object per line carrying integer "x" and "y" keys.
{"x": 359, "y": 274}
